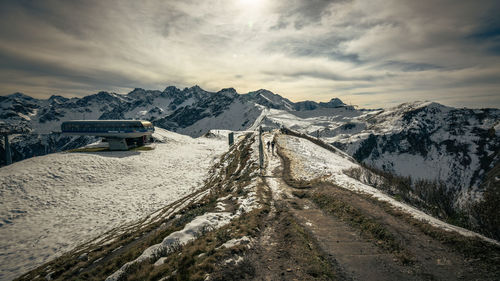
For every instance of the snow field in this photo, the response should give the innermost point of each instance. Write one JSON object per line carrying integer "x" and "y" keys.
{"x": 211, "y": 221}
{"x": 50, "y": 204}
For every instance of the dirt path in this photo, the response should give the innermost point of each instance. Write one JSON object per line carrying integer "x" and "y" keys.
{"x": 350, "y": 253}
{"x": 359, "y": 258}
{"x": 285, "y": 250}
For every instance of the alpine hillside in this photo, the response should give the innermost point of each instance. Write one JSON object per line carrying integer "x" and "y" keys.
{"x": 455, "y": 150}
{"x": 299, "y": 216}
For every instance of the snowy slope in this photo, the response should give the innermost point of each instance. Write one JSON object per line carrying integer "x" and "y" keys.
{"x": 327, "y": 121}
{"x": 237, "y": 117}
{"x": 429, "y": 141}
{"x": 246, "y": 201}
{"x": 423, "y": 140}
{"x": 310, "y": 161}
{"x": 50, "y": 204}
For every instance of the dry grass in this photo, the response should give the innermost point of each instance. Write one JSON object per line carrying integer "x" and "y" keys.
{"x": 370, "y": 228}
{"x": 89, "y": 149}
{"x": 483, "y": 255}
{"x": 205, "y": 254}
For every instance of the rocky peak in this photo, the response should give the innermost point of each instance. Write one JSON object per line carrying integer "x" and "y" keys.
{"x": 333, "y": 103}
{"x": 18, "y": 95}
{"x": 230, "y": 92}
{"x": 195, "y": 89}
{"x": 57, "y": 99}
{"x": 171, "y": 89}
{"x": 136, "y": 93}
{"x": 269, "y": 99}
{"x": 104, "y": 96}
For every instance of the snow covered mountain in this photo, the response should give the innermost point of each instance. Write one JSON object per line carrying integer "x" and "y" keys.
{"x": 173, "y": 109}
{"x": 423, "y": 140}
{"x": 431, "y": 141}
{"x": 192, "y": 111}
{"x": 420, "y": 139}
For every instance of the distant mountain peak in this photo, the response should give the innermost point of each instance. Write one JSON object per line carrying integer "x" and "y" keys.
{"x": 136, "y": 92}
{"x": 419, "y": 106}
{"x": 264, "y": 91}
{"x": 171, "y": 89}
{"x": 20, "y": 95}
{"x": 230, "y": 92}
{"x": 334, "y": 102}
{"x": 57, "y": 99}
{"x": 196, "y": 88}
{"x": 230, "y": 89}
{"x": 269, "y": 99}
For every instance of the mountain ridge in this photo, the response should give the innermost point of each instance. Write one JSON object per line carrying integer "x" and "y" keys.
{"x": 459, "y": 142}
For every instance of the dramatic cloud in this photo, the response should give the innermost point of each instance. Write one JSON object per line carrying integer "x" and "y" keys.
{"x": 371, "y": 53}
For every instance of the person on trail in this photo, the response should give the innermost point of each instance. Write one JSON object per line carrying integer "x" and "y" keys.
{"x": 272, "y": 146}
{"x": 268, "y": 143}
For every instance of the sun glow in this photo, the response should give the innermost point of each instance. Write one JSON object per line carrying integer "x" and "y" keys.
{"x": 251, "y": 3}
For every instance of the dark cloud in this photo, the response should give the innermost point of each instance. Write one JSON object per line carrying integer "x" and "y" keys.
{"x": 408, "y": 66}
{"x": 325, "y": 46}
{"x": 301, "y": 13}
{"x": 72, "y": 45}
{"x": 76, "y": 18}
{"x": 171, "y": 21}
{"x": 96, "y": 78}
{"x": 486, "y": 79}
{"x": 487, "y": 33}
{"x": 322, "y": 74}
{"x": 365, "y": 93}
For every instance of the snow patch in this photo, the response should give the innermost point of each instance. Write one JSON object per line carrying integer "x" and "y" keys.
{"x": 181, "y": 237}
{"x": 236, "y": 241}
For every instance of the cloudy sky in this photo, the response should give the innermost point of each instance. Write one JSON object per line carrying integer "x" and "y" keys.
{"x": 373, "y": 53}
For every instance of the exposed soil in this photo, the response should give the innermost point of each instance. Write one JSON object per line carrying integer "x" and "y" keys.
{"x": 357, "y": 237}
{"x": 285, "y": 250}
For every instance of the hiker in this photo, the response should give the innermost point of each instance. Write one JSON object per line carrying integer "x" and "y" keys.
{"x": 268, "y": 143}
{"x": 272, "y": 146}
